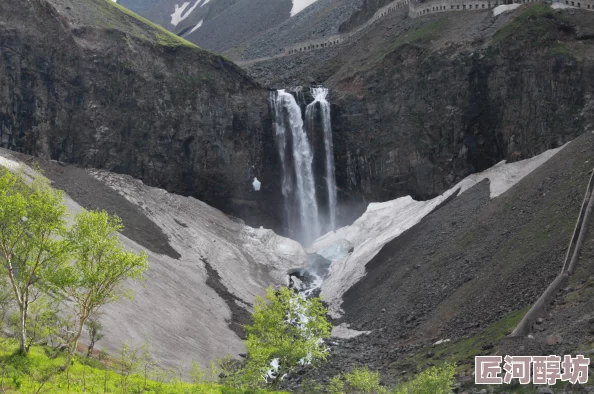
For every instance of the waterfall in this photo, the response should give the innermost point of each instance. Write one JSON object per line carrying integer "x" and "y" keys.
{"x": 320, "y": 95}
{"x": 298, "y": 184}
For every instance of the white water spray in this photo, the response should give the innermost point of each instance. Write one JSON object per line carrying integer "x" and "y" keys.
{"x": 320, "y": 94}
{"x": 289, "y": 125}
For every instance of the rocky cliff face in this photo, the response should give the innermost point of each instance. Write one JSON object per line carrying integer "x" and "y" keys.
{"x": 422, "y": 112}
{"x": 215, "y": 25}
{"x": 420, "y": 103}
{"x": 428, "y": 115}
{"x": 84, "y": 82}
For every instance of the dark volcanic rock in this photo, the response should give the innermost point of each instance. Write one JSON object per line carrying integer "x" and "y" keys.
{"x": 418, "y": 104}
{"x": 84, "y": 83}
{"x": 428, "y": 114}
{"x": 468, "y": 265}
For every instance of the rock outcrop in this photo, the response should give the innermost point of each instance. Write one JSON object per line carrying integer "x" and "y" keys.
{"x": 89, "y": 83}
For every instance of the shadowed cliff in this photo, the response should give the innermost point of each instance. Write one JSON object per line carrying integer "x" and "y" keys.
{"x": 89, "y": 83}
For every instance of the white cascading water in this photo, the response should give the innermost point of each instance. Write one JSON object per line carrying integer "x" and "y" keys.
{"x": 288, "y": 121}
{"x": 320, "y": 94}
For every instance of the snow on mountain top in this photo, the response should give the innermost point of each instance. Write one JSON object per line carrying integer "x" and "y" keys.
{"x": 300, "y": 5}
{"x": 179, "y": 15}
{"x": 198, "y": 25}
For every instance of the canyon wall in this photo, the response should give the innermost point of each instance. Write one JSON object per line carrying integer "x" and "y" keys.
{"x": 426, "y": 115}
{"x": 86, "y": 83}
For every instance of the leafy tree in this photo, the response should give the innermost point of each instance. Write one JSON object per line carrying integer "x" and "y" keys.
{"x": 6, "y": 299}
{"x": 230, "y": 373}
{"x": 100, "y": 264}
{"x": 438, "y": 380}
{"x": 129, "y": 362}
{"x": 287, "y": 331}
{"x": 31, "y": 246}
{"x": 197, "y": 373}
{"x": 147, "y": 361}
{"x": 44, "y": 322}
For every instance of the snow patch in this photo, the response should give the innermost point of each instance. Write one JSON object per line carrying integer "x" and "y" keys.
{"x": 273, "y": 371}
{"x": 198, "y": 25}
{"x": 504, "y": 8}
{"x": 343, "y": 331}
{"x": 336, "y": 250}
{"x": 382, "y": 222}
{"x": 300, "y": 5}
{"x": 557, "y": 6}
{"x": 9, "y": 164}
{"x": 179, "y": 15}
{"x": 256, "y": 184}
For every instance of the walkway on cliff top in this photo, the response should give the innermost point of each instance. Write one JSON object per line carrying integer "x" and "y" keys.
{"x": 325, "y": 42}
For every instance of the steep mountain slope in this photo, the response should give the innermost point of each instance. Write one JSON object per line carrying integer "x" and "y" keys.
{"x": 88, "y": 82}
{"x": 236, "y": 24}
{"x": 420, "y": 103}
{"x": 468, "y": 272}
{"x": 363, "y": 14}
{"x": 323, "y": 18}
{"x": 205, "y": 268}
{"x": 249, "y": 28}
{"x": 214, "y": 24}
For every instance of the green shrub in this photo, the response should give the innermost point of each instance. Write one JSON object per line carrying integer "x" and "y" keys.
{"x": 358, "y": 381}
{"x": 433, "y": 380}
{"x": 37, "y": 372}
{"x": 287, "y": 332}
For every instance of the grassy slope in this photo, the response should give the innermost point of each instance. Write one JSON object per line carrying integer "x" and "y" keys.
{"x": 110, "y": 15}
{"x": 39, "y": 373}
{"x": 161, "y": 35}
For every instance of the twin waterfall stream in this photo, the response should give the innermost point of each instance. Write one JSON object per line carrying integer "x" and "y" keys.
{"x": 307, "y": 214}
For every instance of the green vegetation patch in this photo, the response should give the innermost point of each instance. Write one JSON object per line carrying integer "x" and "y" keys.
{"x": 39, "y": 372}
{"x": 422, "y": 34}
{"x": 462, "y": 352}
{"x": 534, "y": 24}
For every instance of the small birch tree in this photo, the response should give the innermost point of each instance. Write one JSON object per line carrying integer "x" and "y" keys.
{"x": 100, "y": 264}
{"x": 32, "y": 223}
